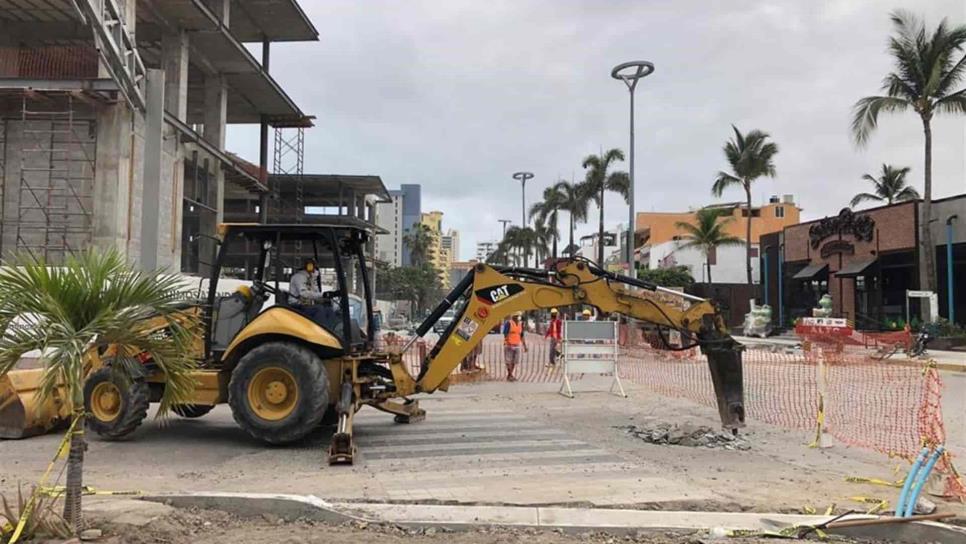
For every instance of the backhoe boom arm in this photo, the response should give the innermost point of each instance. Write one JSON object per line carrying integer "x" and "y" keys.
{"x": 492, "y": 294}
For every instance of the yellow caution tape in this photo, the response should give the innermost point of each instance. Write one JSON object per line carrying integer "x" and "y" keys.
{"x": 873, "y": 481}
{"x": 57, "y": 490}
{"x": 830, "y": 509}
{"x": 808, "y": 509}
{"x": 28, "y": 509}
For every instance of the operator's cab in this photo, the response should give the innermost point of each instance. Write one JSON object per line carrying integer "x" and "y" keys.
{"x": 251, "y": 275}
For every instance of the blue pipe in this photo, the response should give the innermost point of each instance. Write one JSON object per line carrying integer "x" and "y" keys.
{"x": 764, "y": 266}
{"x": 949, "y": 269}
{"x": 907, "y": 485}
{"x": 921, "y": 480}
{"x": 781, "y": 301}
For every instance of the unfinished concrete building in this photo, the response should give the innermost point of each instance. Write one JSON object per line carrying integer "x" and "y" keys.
{"x": 113, "y": 116}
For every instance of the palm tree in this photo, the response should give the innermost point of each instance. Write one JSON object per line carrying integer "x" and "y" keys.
{"x": 751, "y": 156}
{"x": 574, "y": 201}
{"x": 707, "y": 235}
{"x": 547, "y": 211}
{"x": 543, "y": 236}
{"x": 520, "y": 242}
{"x": 420, "y": 238}
{"x": 92, "y": 301}
{"x": 889, "y": 187}
{"x": 928, "y": 67}
{"x": 598, "y": 180}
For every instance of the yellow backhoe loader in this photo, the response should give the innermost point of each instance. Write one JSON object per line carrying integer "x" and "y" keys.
{"x": 284, "y": 373}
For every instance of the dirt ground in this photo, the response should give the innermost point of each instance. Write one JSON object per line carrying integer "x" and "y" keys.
{"x": 214, "y": 527}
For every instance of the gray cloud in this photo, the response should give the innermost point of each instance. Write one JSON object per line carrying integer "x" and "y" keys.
{"x": 458, "y": 95}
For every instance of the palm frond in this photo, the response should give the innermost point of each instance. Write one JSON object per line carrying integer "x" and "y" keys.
{"x": 724, "y": 181}
{"x": 865, "y": 114}
{"x": 864, "y": 197}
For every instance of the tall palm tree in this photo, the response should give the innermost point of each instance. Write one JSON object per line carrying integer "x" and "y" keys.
{"x": 574, "y": 201}
{"x": 520, "y": 242}
{"x": 543, "y": 236}
{"x": 419, "y": 238}
{"x": 547, "y": 212}
{"x": 92, "y": 301}
{"x": 708, "y": 235}
{"x": 598, "y": 180}
{"x": 928, "y": 68}
{"x": 890, "y": 187}
{"x": 751, "y": 156}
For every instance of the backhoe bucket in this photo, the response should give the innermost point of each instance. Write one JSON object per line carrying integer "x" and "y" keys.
{"x": 22, "y": 413}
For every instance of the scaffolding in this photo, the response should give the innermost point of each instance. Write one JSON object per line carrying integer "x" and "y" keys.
{"x": 54, "y": 192}
{"x": 289, "y": 159}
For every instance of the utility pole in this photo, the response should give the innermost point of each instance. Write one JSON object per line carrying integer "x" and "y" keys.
{"x": 640, "y": 70}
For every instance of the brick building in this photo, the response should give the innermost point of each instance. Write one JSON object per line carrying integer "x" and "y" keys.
{"x": 866, "y": 260}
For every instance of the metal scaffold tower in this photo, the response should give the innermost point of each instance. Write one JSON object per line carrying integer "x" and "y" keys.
{"x": 289, "y": 160}
{"x": 54, "y": 200}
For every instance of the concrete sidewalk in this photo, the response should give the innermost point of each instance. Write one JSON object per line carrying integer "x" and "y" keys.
{"x": 948, "y": 361}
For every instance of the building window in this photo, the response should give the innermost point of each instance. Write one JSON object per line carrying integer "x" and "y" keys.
{"x": 779, "y": 211}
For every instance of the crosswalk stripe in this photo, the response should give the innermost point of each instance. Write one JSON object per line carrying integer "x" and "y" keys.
{"x": 497, "y": 457}
{"x": 391, "y": 428}
{"x": 435, "y": 440}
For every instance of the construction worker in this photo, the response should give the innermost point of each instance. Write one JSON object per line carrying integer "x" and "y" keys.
{"x": 305, "y": 295}
{"x": 587, "y": 315}
{"x": 514, "y": 339}
{"x": 554, "y": 331}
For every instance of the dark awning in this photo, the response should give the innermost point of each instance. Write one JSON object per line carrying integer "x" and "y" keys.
{"x": 810, "y": 271}
{"x": 855, "y": 269}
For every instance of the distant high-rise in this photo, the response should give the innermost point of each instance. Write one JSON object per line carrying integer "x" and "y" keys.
{"x": 451, "y": 245}
{"x": 397, "y": 217}
{"x": 484, "y": 249}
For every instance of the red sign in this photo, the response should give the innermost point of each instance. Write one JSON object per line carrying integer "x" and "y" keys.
{"x": 823, "y": 326}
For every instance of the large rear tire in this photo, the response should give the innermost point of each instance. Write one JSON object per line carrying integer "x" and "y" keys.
{"x": 279, "y": 392}
{"x": 116, "y": 407}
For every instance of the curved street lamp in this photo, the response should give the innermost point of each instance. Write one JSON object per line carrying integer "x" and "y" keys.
{"x": 630, "y": 73}
{"x": 522, "y": 177}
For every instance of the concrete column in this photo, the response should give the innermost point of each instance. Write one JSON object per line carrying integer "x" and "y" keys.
{"x": 361, "y": 207}
{"x": 216, "y": 114}
{"x": 350, "y": 208}
{"x": 152, "y": 178}
{"x": 221, "y": 9}
{"x": 117, "y": 180}
{"x": 174, "y": 60}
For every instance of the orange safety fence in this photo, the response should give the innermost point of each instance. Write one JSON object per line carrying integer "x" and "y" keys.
{"x": 891, "y": 406}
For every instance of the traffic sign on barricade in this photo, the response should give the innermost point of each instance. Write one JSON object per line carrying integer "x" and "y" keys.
{"x": 590, "y": 347}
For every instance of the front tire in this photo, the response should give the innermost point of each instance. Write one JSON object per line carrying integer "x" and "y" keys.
{"x": 279, "y": 392}
{"x": 116, "y": 407}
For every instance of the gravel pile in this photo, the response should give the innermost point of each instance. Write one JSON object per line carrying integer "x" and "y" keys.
{"x": 691, "y": 436}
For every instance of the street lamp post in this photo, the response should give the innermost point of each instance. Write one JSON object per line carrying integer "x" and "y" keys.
{"x": 506, "y": 257}
{"x": 630, "y": 73}
{"x": 522, "y": 177}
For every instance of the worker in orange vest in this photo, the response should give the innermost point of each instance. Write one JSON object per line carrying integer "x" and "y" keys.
{"x": 554, "y": 334}
{"x": 513, "y": 341}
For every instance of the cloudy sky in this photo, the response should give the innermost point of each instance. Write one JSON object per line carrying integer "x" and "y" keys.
{"x": 458, "y": 95}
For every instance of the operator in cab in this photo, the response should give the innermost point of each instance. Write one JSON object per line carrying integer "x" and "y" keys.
{"x": 307, "y": 298}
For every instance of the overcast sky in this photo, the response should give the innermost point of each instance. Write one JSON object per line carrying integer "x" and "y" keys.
{"x": 458, "y": 95}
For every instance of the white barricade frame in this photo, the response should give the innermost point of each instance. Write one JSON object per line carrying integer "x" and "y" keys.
{"x": 590, "y": 347}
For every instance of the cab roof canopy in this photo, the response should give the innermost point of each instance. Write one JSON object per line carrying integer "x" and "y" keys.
{"x": 343, "y": 226}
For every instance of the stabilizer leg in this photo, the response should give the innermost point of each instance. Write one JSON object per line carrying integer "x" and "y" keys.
{"x": 343, "y": 448}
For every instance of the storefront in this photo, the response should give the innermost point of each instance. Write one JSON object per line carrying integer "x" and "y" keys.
{"x": 866, "y": 261}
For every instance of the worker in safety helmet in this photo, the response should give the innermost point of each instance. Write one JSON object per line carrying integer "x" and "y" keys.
{"x": 587, "y": 315}
{"x": 306, "y": 297}
{"x": 554, "y": 332}
{"x": 513, "y": 341}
